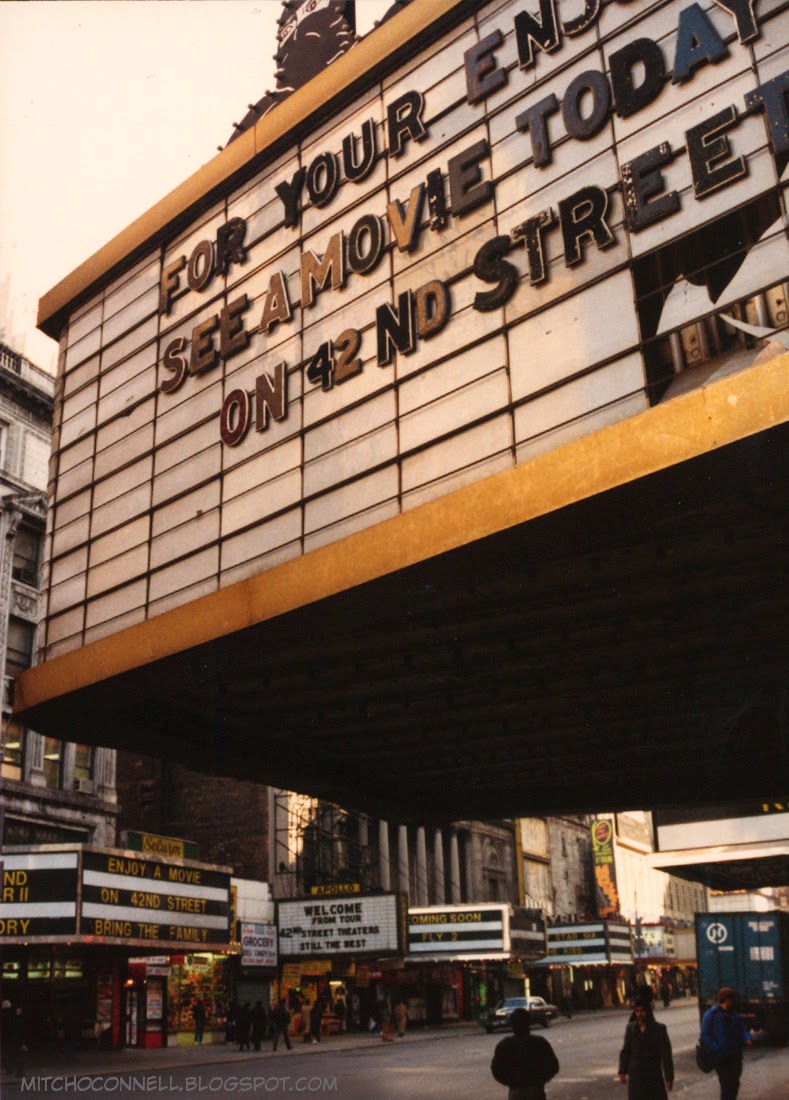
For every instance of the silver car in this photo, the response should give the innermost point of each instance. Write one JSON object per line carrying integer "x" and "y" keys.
{"x": 540, "y": 1012}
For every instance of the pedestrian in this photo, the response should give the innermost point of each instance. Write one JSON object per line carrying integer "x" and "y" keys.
{"x": 303, "y": 1021}
{"x": 12, "y": 1044}
{"x": 567, "y": 1006}
{"x": 316, "y": 1015}
{"x": 243, "y": 1025}
{"x": 258, "y": 1020}
{"x": 199, "y": 1017}
{"x": 280, "y": 1019}
{"x": 725, "y": 1035}
{"x": 401, "y": 1018}
{"x": 646, "y": 1065}
{"x": 230, "y": 1022}
{"x": 339, "y": 1012}
{"x": 524, "y": 1062}
{"x": 665, "y": 992}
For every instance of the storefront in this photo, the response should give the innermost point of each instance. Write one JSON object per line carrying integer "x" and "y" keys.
{"x": 346, "y": 951}
{"x": 666, "y": 959}
{"x": 464, "y": 958}
{"x": 111, "y": 946}
{"x": 588, "y": 965}
{"x": 257, "y": 964}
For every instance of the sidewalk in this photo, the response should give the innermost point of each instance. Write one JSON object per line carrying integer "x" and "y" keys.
{"x": 90, "y": 1061}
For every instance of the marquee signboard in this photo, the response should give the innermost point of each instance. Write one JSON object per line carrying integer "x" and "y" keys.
{"x": 495, "y": 247}
{"x": 39, "y": 894}
{"x": 127, "y": 896}
{"x": 586, "y": 944}
{"x": 459, "y": 930}
{"x": 362, "y": 925}
{"x": 114, "y": 896}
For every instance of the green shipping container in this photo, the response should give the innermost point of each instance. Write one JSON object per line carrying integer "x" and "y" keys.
{"x": 750, "y": 953}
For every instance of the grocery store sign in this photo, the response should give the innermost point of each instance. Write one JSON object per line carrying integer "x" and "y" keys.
{"x": 637, "y": 75}
{"x": 259, "y": 945}
{"x": 366, "y": 924}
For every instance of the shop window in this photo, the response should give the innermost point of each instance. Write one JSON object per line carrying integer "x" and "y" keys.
{"x": 19, "y": 647}
{"x": 39, "y": 966}
{"x": 13, "y": 749}
{"x": 27, "y": 546}
{"x": 53, "y": 762}
{"x": 12, "y": 971}
{"x": 198, "y": 978}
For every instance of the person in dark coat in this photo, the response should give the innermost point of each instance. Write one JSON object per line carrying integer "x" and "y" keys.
{"x": 280, "y": 1019}
{"x": 243, "y": 1025}
{"x": 524, "y": 1062}
{"x": 259, "y": 1020}
{"x": 646, "y": 1065}
{"x": 316, "y": 1015}
{"x": 199, "y": 1017}
{"x": 12, "y": 1040}
{"x": 230, "y": 1022}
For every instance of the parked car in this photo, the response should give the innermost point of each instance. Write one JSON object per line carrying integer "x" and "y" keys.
{"x": 540, "y": 1012}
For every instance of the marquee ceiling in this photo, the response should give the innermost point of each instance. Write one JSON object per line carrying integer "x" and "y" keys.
{"x": 626, "y": 650}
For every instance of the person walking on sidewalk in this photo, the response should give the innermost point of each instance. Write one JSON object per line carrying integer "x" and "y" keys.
{"x": 259, "y": 1020}
{"x": 524, "y": 1062}
{"x": 280, "y": 1018}
{"x": 316, "y": 1015}
{"x": 724, "y": 1033}
{"x": 199, "y": 1016}
{"x": 304, "y": 1021}
{"x": 646, "y": 1065}
{"x": 401, "y": 1018}
{"x": 243, "y": 1026}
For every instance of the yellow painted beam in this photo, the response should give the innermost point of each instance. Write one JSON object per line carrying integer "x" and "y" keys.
{"x": 721, "y": 412}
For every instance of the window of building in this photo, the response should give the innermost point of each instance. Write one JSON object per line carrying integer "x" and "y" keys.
{"x": 84, "y": 765}
{"x": 27, "y": 546}
{"x": 19, "y": 651}
{"x": 13, "y": 749}
{"x": 3, "y": 444}
{"x": 53, "y": 761}
{"x": 36, "y": 461}
{"x": 22, "y": 832}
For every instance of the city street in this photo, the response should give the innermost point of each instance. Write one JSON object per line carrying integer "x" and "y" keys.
{"x": 434, "y": 1065}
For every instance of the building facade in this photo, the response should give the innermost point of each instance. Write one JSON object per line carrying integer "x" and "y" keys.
{"x": 52, "y": 791}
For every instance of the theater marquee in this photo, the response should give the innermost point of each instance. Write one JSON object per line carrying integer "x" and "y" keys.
{"x": 362, "y": 925}
{"x": 488, "y": 231}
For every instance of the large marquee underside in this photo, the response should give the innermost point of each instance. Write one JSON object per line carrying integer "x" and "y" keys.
{"x": 623, "y": 646}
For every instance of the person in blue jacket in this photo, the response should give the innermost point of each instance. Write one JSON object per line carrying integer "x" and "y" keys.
{"x": 724, "y": 1033}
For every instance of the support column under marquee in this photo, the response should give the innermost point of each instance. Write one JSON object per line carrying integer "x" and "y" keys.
{"x": 438, "y": 868}
{"x": 421, "y": 866}
{"x": 454, "y": 869}
{"x": 403, "y": 866}
{"x": 384, "y": 869}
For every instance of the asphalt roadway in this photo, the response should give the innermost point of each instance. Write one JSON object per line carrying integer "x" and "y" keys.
{"x": 429, "y": 1064}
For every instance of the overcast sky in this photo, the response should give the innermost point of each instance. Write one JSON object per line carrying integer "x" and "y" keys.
{"x": 105, "y": 108}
